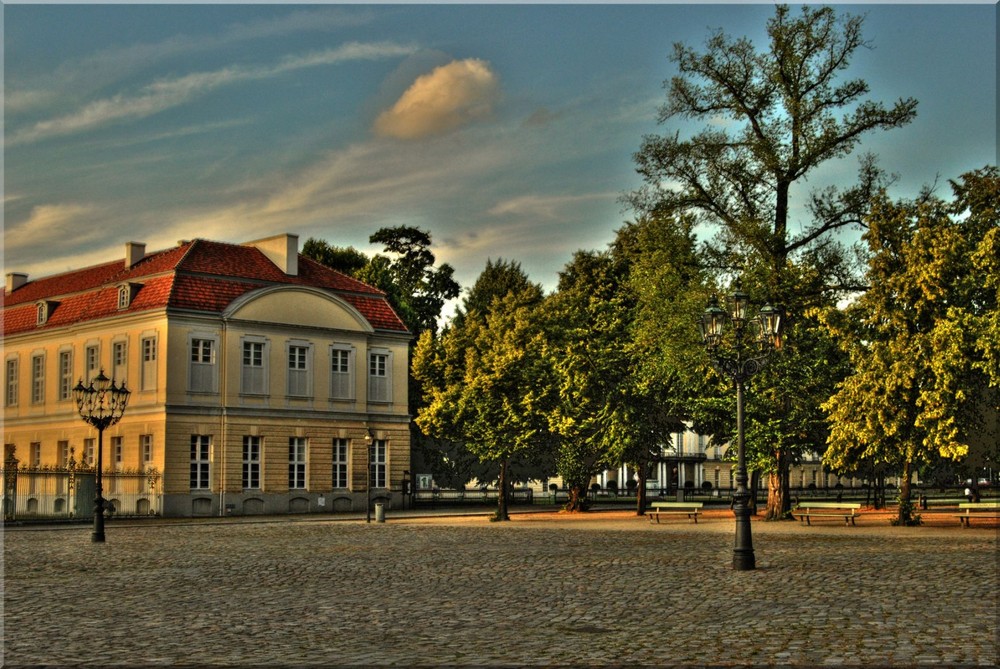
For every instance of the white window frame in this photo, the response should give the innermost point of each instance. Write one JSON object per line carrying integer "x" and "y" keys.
{"x": 203, "y": 369}
{"x": 252, "y": 448}
{"x": 341, "y": 464}
{"x": 298, "y": 453}
{"x": 117, "y": 452}
{"x": 119, "y": 360}
{"x": 201, "y": 462}
{"x": 148, "y": 353}
{"x": 41, "y": 313}
{"x": 378, "y": 452}
{"x": 254, "y": 377}
{"x": 89, "y": 446}
{"x": 92, "y": 361}
{"x": 124, "y": 296}
{"x": 38, "y": 378}
{"x": 66, "y": 374}
{"x": 380, "y": 376}
{"x": 341, "y": 379}
{"x": 146, "y": 450}
{"x": 62, "y": 452}
{"x": 11, "y": 378}
{"x": 299, "y": 355}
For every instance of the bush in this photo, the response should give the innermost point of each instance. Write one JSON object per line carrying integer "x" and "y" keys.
{"x": 706, "y": 485}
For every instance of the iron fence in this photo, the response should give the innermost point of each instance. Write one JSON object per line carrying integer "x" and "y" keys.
{"x": 68, "y": 493}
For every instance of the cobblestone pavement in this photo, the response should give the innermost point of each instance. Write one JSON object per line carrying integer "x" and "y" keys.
{"x": 541, "y": 590}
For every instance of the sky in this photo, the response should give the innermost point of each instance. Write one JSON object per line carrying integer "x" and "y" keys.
{"x": 505, "y": 131}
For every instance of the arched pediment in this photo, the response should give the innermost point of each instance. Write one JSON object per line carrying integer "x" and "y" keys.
{"x": 297, "y": 305}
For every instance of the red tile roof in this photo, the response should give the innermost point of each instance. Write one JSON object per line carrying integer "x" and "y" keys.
{"x": 199, "y": 275}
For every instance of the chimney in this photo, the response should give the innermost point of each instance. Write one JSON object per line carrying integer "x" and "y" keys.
{"x": 282, "y": 250}
{"x": 134, "y": 252}
{"x": 15, "y": 281}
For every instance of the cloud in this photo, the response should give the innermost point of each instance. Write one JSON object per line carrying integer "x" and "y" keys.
{"x": 450, "y": 96}
{"x": 167, "y": 93}
{"x": 553, "y": 207}
{"x": 52, "y": 229}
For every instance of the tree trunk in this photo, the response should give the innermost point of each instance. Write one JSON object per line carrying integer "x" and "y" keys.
{"x": 904, "y": 515}
{"x": 502, "y": 513}
{"x": 779, "y": 499}
{"x": 577, "y": 498}
{"x": 640, "y": 493}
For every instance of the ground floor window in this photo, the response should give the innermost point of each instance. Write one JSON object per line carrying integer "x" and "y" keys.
{"x": 200, "y": 449}
{"x": 251, "y": 462}
{"x": 340, "y": 463}
{"x": 376, "y": 469}
{"x": 296, "y": 463}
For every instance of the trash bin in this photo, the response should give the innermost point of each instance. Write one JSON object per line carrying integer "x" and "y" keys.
{"x": 379, "y": 512}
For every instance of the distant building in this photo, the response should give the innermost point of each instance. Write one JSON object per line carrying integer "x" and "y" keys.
{"x": 258, "y": 376}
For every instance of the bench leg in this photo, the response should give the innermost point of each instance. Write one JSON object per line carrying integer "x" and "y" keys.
{"x": 696, "y": 519}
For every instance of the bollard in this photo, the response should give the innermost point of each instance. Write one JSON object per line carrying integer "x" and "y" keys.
{"x": 379, "y": 512}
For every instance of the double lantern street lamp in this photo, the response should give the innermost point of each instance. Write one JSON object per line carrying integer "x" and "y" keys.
{"x": 101, "y": 404}
{"x": 739, "y": 345}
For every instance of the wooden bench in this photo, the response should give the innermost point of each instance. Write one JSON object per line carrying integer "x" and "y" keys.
{"x": 689, "y": 509}
{"x": 978, "y": 510}
{"x": 845, "y": 510}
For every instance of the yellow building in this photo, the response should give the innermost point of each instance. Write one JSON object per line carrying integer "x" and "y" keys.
{"x": 262, "y": 382}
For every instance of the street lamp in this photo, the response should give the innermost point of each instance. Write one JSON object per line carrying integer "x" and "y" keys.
{"x": 101, "y": 404}
{"x": 369, "y": 442}
{"x": 739, "y": 346}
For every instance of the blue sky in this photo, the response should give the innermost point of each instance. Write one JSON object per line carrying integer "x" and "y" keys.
{"x": 505, "y": 131}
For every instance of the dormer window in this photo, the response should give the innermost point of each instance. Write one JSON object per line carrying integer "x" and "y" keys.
{"x": 126, "y": 292}
{"x": 43, "y": 311}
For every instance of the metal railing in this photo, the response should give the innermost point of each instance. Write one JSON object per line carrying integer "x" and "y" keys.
{"x": 68, "y": 493}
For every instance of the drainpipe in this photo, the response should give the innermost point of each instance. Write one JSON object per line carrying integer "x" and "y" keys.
{"x": 224, "y": 397}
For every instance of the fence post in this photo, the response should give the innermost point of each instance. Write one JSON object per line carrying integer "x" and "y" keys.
{"x": 9, "y": 483}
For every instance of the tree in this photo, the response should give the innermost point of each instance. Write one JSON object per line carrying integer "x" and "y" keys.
{"x": 920, "y": 386}
{"x": 343, "y": 259}
{"x": 487, "y": 383}
{"x": 786, "y": 112}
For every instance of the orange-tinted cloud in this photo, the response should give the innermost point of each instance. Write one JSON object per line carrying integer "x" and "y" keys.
{"x": 450, "y": 96}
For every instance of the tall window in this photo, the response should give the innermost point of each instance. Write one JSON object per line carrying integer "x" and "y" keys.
{"x": 379, "y": 386}
{"x": 37, "y": 379}
{"x": 62, "y": 448}
{"x": 93, "y": 360}
{"x": 65, "y": 375}
{"x": 146, "y": 450}
{"x": 89, "y": 446}
{"x": 117, "y": 452}
{"x": 10, "y": 396}
{"x": 253, "y": 380}
{"x": 340, "y": 463}
{"x": 341, "y": 378}
{"x": 200, "y": 451}
{"x": 35, "y": 454}
{"x": 203, "y": 375}
{"x": 148, "y": 363}
{"x": 124, "y": 295}
{"x": 119, "y": 361}
{"x": 251, "y": 462}
{"x": 297, "y": 463}
{"x": 376, "y": 470}
{"x": 298, "y": 371}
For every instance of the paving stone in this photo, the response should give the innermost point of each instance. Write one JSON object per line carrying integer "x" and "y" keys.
{"x": 411, "y": 592}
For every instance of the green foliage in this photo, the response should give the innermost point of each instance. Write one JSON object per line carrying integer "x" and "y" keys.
{"x": 788, "y": 110}
{"x": 487, "y": 383}
{"x": 920, "y": 387}
{"x": 343, "y": 259}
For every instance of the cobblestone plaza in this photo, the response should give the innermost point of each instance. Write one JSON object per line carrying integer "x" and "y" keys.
{"x": 606, "y": 590}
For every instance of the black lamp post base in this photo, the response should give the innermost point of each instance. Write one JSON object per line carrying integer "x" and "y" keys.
{"x": 743, "y": 560}
{"x": 97, "y": 537}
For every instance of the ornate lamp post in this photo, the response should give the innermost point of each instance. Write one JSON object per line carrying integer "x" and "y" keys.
{"x": 739, "y": 346}
{"x": 101, "y": 404}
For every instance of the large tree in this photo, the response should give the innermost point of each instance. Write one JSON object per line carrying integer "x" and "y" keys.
{"x": 920, "y": 385}
{"x": 487, "y": 382}
{"x": 773, "y": 117}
